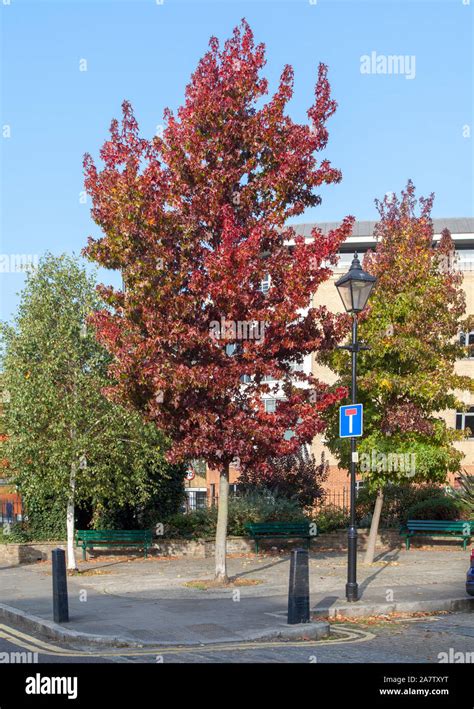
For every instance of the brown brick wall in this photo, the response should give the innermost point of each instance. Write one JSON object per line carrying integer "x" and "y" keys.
{"x": 15, "y": 554}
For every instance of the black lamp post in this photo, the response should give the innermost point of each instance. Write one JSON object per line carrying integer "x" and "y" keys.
{"x": 354, "y": 288}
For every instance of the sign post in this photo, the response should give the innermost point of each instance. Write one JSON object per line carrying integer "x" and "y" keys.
{"x": 351, "y": 425}
{"x": 354, "y": 287}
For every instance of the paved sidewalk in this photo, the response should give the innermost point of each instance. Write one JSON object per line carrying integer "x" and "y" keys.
{"x": 146, "y": 601}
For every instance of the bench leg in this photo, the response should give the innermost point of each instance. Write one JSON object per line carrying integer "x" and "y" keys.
{"x": 146, "y": 551}
{"x": 84, "y": 552}
{"x": 464, "y": 543}
{"x": 407, "y": 542}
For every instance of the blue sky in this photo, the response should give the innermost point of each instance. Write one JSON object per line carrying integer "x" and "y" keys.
{"x": 388, "y": 128}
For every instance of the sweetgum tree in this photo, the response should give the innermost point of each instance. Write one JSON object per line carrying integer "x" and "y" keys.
{"x": 195, "y": 220}
{"x": 408, "y": 376}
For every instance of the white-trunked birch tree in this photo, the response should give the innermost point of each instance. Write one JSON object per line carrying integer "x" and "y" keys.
{"x": 67, "y": 443}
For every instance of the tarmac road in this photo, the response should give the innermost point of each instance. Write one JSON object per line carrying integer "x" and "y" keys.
{"x": 415, "y": 640}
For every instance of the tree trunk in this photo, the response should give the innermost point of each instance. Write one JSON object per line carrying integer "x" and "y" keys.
{"x": 221, "y": 531}
{"x": 374, "y": 528}
{"x": 71, "y": 556}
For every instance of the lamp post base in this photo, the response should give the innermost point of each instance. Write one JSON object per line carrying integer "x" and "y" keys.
{"x": 352, "y": 592}
{"x": 352, "y": 589}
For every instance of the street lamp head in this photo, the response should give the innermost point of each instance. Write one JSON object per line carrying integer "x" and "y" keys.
{"x": 355, "y": 287}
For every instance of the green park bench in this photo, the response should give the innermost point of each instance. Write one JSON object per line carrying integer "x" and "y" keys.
{"x": 90, "y": 538}
{"x": 271, "y": 530}
{"x": 459, "y": 529}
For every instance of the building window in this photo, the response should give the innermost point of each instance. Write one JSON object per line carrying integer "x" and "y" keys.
{"x": 233, "y": 349}
{"x": 467, "y": 340}
{"x": 466, "y": 420}
{"x": 247, "y": 379}
{"x": 265, "y": 284}
{"x": 359, "y": 485}
{"x": 269, "y": 378}
{"x": 212, "y": 490}
{"x": 465, "y": 259}
{"x": 196, "y": 498}
{"x": 270, "y": 406}
{"x": 297, "y": 366}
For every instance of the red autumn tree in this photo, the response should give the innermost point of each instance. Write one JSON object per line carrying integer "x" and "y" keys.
{"x": 195, "y": 221}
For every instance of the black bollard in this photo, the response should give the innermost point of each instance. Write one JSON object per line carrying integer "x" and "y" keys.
{"x": 298, "y": 593}
{"x": 60, "y": 601}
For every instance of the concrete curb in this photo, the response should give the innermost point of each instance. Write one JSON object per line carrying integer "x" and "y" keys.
{"x": 27, "y": 621}
{"x": 52, "y": 630}
{"x": 315, "y": 630}
{"x": 360, "y": 610}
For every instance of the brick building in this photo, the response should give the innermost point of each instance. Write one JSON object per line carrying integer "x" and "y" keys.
{"x": 462, "y": 231}
{"x": 10, "y": 503}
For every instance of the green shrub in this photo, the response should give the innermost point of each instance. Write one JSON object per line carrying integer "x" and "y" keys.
{"x": 331, "y": 518}
{"x": 164, "y": 497}
{"x": 19, "y": 533}
{"x": 44, "y": 521}
{"x": 262, "y": 507}
{"x": 192, "y": 525}
{"x": 442, "y": 507}
{"x": 398, "y": 499}
{"x": 466, "y": 493}
{"x": 4, "y": 538}
{"x": 251, "y": 507}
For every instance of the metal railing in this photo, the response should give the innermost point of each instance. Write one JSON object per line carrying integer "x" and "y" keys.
{"x": 337, "y": 498}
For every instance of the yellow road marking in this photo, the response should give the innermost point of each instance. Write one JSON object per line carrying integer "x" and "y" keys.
{"x": 20, "y": 643}
{"x": 32, "y": 644}
{"x": 5, "y": 631}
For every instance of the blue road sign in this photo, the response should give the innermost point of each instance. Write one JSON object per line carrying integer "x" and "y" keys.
{"x": 350, "y": 420}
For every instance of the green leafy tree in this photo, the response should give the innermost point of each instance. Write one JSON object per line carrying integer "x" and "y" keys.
{"x": 408, "y": 375}
{"x": 67, "y": 444}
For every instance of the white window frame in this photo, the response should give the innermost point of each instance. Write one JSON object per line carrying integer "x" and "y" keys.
{"x": 463, "y": 415}
{"x": 266, "y": 400}
{"x": 191, "y": 493}
{"x": 265, "y": 284}
{"x": 468, "y": 335}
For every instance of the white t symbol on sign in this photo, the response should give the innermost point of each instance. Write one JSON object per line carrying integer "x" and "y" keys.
{"x": 351, "y": 413}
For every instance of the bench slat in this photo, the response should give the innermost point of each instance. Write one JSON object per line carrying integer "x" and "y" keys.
{"x": 438, "y": 528}
{"x": 260, "y": 530}
{"x": 438, "y": 522}
{"x": 88, "y": 538}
